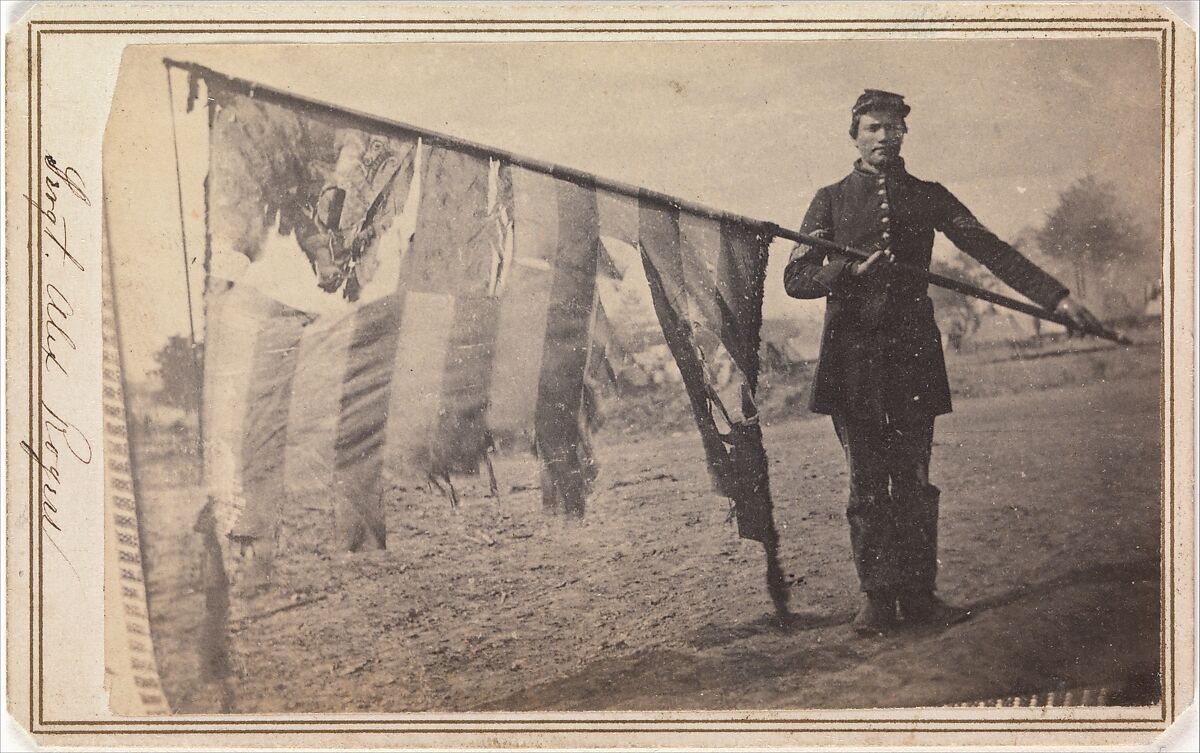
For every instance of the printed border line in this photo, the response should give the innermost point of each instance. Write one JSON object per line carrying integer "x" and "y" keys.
{"x": 40, "y": 699}
{"x": 544, "y": 730}
{"x": 1162, "y": 673}
{"x": 33, "y": 359}
{"x": 40, "y": 395}
{"x": 466, "y": 725}
{"x": 1171, "y": 480}
{"x": 1161, "y": 30}
{"x": 1164, "y": 365}
{"x": 453, "y": 30}
{"x": 614, "y": 21}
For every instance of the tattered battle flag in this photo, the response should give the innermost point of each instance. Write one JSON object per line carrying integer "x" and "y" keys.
{"x": 378, "y": 307}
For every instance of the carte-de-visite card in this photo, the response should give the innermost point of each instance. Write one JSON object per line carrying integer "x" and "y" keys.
{"x": 622, "y": 376}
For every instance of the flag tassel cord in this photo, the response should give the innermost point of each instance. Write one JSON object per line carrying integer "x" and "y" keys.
{"x": 582, "y": 177}
{"x": 187, "y": 274}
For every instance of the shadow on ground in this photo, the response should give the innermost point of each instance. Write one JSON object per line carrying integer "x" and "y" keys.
{"x": 1080, "y": 629}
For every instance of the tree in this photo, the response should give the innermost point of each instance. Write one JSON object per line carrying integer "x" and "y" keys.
{"x": 1091, "y": 229}
{"x": 180, "y": 372}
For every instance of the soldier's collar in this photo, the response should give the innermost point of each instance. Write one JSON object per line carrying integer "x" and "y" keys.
{"x": 896, "y": 168}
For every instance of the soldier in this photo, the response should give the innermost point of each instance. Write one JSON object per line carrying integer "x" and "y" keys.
{"x": 881, "y": 374}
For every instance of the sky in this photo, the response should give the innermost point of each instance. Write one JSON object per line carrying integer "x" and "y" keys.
{"x": 749, "y": 127}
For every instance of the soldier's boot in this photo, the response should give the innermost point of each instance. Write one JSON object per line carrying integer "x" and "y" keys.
{"x": 919, "y": 526}
{"x": 917, "y": 537}
{"x": 877, "y": 614}
{"x": 873, "y": 538}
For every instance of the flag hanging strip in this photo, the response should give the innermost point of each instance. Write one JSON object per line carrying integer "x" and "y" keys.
{"x": 386, "y": 303}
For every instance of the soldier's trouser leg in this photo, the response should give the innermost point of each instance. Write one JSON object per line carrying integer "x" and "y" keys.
{"x": 908, "y": 446}
{"x": 873, "y": 534}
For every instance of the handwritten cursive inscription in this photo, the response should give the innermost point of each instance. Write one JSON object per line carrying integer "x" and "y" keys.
{"x": 59, "y": 435}
{"x": 55, "y": 225}
{"x": 62, "y": 443}
{"x": 69, "y": 176}
{"x": 58, "y": 311}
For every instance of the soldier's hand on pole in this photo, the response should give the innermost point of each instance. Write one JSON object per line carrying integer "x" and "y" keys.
{"x": 864, "y": 267}
{"x": 1084, "y": 320}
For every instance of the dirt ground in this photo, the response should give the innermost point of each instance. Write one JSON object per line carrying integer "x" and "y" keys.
{"x": 1050, "y": 532}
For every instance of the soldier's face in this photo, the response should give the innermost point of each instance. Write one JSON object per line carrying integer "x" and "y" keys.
{"x": 880, "y": 136}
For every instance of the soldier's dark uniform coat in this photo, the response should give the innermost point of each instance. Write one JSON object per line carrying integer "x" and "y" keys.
{"x": 881, "y": 374}
{"x": 881, "y": 349}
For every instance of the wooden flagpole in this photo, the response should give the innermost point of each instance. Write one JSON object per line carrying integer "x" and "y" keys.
{"x": 582, "y": 177}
